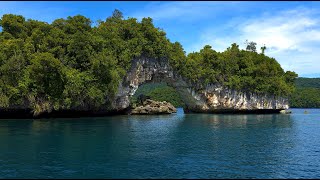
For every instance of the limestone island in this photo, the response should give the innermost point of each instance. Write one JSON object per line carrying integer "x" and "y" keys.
{"x": 71, "y": 68}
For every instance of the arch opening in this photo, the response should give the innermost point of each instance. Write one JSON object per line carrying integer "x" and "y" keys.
{"x": 211, "y": 98}
{"x": 158, "y": 91}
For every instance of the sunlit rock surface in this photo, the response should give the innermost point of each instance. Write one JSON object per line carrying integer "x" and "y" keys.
{"x": 154, "y": 107}
{"x": 212, "y": 98}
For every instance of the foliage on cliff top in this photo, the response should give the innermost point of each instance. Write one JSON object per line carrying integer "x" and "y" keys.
{"x": 238, "y": 69}
{"x": 70, "y": 64}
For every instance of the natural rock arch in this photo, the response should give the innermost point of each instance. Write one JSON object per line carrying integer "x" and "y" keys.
{"x": 211, "y": 98}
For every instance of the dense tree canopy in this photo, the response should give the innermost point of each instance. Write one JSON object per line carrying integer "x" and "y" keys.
{"x": 70, "y": 64}
{"x": 159, "y": 92}
{"x": 305, "y": 98}
{"x": 307, "y": 94}
{"x": 237, "y": 69}
{"x": 307, "y": 82}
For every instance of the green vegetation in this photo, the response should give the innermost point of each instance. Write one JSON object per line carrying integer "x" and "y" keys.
{"x": 70, "y": 64}
{"x": 159, "y": 92}
{"x": 305, "y": 98}
{"x": 237, "y": 69}
{"x": 307, "y": 82}
{"x": 307, "y": 94}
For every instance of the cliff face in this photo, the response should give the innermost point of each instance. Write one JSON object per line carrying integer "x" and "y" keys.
{"x": 216, "y": 98}
{"x": 212, "y": 98}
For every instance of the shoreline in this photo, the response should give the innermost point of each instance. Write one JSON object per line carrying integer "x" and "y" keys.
{"x": 27, "y": 113}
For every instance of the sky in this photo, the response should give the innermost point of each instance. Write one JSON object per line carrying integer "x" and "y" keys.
{"x": 289, "y": 30}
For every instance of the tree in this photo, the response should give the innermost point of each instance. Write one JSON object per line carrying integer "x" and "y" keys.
{"x": 46, "y": 76}
{"x": 14, "y": 25}
{"x": 251, "y": 46}
{"x": 263, "y": 48}
{"x": 77, "y": 23}
{"x": 290, "y": 77}
{"x": 79, "y": 50}
{"x": 116, "y": 14}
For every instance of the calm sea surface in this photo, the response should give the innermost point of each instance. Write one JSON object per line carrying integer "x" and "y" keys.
{"x": 165, "y": 146}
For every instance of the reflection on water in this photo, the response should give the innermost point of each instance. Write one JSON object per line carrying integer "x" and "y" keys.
{"x": 243, "y": 121}
{"x": 166, "y": 146}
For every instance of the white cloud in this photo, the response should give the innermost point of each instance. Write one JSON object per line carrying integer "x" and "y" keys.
{"x": 286, "y": 31}
{"x": 292, "y": 37}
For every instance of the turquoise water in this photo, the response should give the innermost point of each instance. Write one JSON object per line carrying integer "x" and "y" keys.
{"x": 165, "y": 146}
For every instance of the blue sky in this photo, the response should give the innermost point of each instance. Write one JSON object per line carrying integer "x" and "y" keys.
{"x": 290, "y": 30}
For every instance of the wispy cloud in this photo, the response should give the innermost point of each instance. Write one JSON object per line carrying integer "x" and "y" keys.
{"x": 288, "y": 30}
{"x": 292, "y": 37}
{"x": 183, "y": 11}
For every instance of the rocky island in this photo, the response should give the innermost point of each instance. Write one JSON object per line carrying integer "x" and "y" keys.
{"x": 154, "y": 107}
{"x": 69, "y": 66}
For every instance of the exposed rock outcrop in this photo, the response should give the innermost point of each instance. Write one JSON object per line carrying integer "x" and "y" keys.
{"x": 154, "y": 107}
{"x": 285, "y": 112}
{"x": 213, "y": 98}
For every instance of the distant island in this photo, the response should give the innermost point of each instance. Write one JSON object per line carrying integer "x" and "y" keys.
{"x": 307, "y": 93}
{"x": 70, "y": 65}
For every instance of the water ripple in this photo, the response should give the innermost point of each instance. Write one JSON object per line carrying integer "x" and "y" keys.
{"x": 169, "y": 146}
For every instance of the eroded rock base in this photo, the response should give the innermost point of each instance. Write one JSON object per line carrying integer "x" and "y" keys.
{"x": 154, "y": 107}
